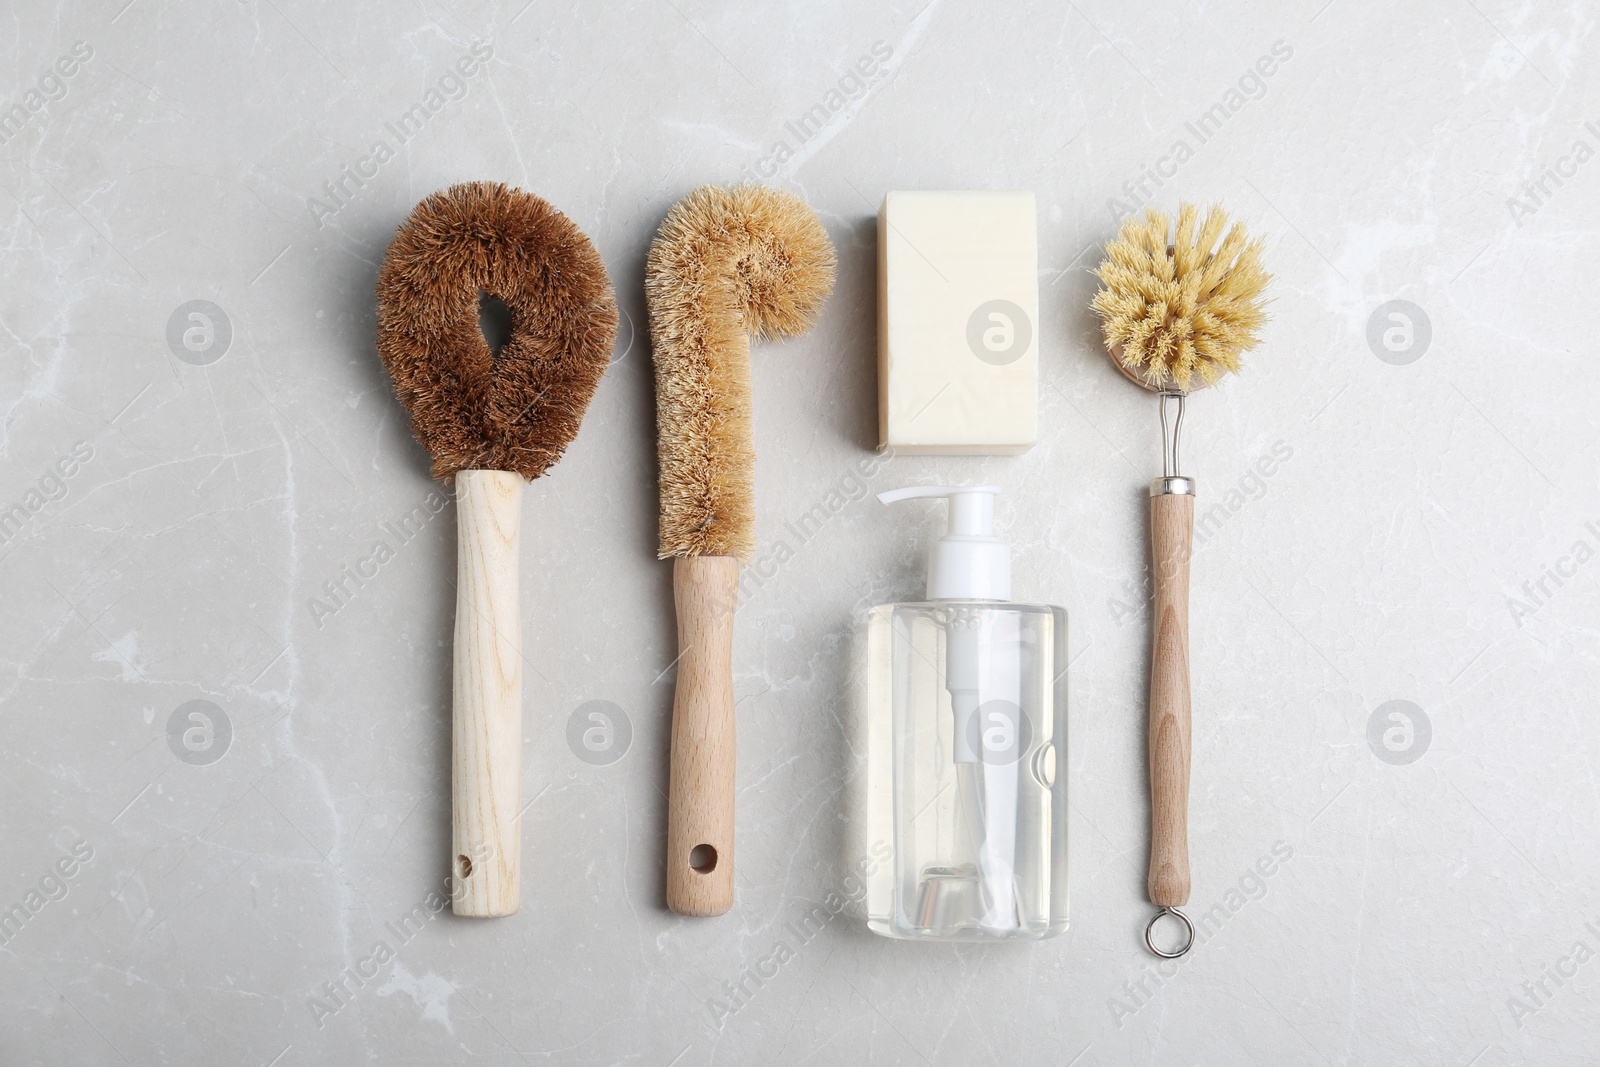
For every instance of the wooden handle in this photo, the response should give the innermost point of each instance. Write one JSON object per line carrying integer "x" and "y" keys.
{"x": 486, "y": 723}
{"x": 1171, "y": 534}
{"x": 700, "y": 791}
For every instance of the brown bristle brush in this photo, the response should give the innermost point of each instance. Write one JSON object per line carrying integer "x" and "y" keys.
{"x": 491, "y": 421}
{"x": 727, "y": 264}
{"x": 1176, "y": 309}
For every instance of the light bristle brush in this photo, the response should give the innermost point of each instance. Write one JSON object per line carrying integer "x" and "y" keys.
{"x": 491, "y": 421}
{"x": 1176, "y": 309}
{"x": 727, "y": 264}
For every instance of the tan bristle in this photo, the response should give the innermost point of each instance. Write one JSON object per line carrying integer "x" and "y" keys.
{"x": 727, "y": 263}
{"x": 1177, "y": 309}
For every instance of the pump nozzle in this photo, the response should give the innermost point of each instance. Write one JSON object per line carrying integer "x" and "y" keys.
{"x": 968, "y": 562}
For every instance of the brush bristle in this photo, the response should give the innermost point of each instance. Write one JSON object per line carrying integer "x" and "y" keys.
{"x": 472, "y": 409}
{"x": 1177, "y": 309}
{"x": 728, "y": 263}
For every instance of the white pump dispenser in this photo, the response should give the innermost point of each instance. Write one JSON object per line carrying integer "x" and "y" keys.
{"x": 968, "y": 562}
{"x": 966, "y": 699}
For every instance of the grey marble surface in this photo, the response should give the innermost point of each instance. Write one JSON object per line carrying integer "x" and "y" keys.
{"x": 1427, "y": 534}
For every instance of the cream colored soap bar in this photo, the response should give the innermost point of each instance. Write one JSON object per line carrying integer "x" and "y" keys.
{"x": 958, "y": 314}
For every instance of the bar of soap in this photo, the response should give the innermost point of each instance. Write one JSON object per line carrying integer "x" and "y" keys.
{"x": 958, "y": 315}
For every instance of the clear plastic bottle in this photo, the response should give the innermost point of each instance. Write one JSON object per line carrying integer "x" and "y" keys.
{"x": 966, "y": 744}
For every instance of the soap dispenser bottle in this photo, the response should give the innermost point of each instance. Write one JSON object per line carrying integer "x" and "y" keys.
{"x": 966, "y": 722}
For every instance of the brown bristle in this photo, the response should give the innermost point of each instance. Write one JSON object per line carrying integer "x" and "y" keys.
{"x": 1179, "y": 307}
{"x": 473, "y": 409}
{"x": 727, "y": 263}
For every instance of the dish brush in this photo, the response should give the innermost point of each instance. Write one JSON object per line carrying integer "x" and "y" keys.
{"x": 727, "y": 264}
{"x": 1177, "y": 308}
{"x": 491, "y": 421}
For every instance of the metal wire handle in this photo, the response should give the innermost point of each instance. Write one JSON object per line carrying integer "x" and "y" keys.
{"x": 1169, "y": 440}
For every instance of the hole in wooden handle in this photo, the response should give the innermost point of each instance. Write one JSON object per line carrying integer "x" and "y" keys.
{"x": 702, "y": 859}
{"x": 465, "y": 866}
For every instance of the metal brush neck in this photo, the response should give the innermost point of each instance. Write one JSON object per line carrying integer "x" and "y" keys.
{"x": 1171, "y": 429}
{"x": 1171, "y": 482}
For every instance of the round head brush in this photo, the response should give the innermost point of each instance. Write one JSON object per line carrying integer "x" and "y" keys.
{"x": 491, "y": 420}
{"x": 1176, "y": 309}
{"x": 727, "y": 264}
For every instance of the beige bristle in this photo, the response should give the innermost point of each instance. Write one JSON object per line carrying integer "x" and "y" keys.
{"x": 1180, "y": 307}
{"x": 728, "y": 263}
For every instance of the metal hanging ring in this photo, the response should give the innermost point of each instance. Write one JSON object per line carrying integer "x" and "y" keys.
{"x": 1188, "y": 942}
